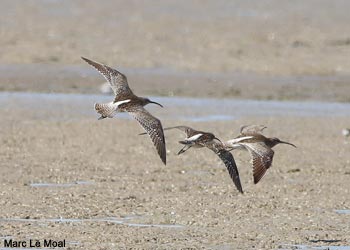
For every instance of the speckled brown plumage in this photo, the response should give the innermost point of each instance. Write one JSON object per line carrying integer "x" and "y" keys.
{"x": 126, "y": 101}
{"x": 259, "y": 148}
{"x": 201, "y": 139}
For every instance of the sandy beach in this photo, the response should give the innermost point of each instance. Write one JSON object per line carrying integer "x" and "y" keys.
{"x": 215, "y": 65}
{"x": 99, "y": 185}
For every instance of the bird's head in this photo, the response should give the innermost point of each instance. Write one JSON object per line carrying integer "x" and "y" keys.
{"x": 147, "y": 101}
{"x": 274, "y": 141}
{"x": 217, "y": 139}
{"x": 213, "y": 137}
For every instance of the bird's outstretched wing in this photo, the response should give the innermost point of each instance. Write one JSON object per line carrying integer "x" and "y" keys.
{"x": 187, "y": 130}
{"x": 153, "y": 127}
{"x": 117, "y": 80}
{"x": 262, "y": 157}
{"x": 252, "y": 129}
{"x": 229, "y": 161}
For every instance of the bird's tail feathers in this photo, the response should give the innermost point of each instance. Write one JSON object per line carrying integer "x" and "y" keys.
{"x": 106, "y": 109}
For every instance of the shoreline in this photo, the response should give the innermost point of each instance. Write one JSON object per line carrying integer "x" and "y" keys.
{"x": 160, "y": 82}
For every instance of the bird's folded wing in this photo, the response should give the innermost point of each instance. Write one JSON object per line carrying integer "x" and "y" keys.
{"x": 262, "y": 157}
{"x": 229, "y": 161}
{"x": 117, "y": 80}
{"x": 153, "y": 127}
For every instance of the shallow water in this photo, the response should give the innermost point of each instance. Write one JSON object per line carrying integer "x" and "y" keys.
{"x": 122, "y": 221}
{"x": 60, "y": 184}
{"x": 75, "y": 106}
{"x": 342, "y": 211}
{"x": 307, "y": 247}
{"x": 154, "y": 225}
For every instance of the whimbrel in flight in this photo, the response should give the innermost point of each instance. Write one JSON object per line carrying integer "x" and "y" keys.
{"x": 259, "y": 147}
{"x": 126, "y": 101}
{"x": 199, "y": 139}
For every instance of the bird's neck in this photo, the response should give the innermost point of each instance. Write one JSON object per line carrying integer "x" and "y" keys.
{"x": 270, "y": 143}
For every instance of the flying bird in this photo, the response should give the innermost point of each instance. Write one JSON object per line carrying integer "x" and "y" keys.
{"x": 259, "y": 147}
{"x": 200, "y": 139}
{"x": 126, "y": 101}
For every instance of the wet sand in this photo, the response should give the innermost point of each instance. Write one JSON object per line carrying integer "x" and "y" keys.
{"x": 256, "y": 50}
{"x": 268, "y": 37}
{"x": 161, "y": 82}
{"x": 109, "y": 186}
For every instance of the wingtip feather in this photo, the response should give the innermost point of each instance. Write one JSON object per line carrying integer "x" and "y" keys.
{"x": 85, "y": 59}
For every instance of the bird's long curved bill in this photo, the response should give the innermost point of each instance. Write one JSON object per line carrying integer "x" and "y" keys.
{"x": 156, "y": 103}
{"x": 217, "y": 139}
{"x": 284, "y": 142}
